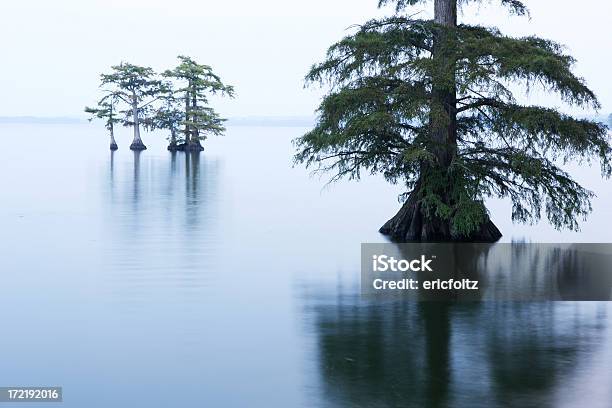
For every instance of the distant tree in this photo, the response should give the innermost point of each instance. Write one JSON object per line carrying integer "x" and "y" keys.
{"x": 107, "y": 111}
{"x": 196, "y": 83}
{"x": 427, "y": 103}
{"x": 610, "y": 120}
{"x": 138, "y": 87}
{"x": 169, "y": 116}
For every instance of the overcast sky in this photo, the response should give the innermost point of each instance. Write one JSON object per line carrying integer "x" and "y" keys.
{"x": 53, "y": 51}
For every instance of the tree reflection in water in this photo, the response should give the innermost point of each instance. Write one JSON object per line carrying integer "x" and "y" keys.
{"x": 401, "y": 353}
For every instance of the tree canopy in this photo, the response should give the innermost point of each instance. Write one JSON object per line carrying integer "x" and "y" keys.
{"x": 139, "y": 88}
{"x": 195, "y": 83}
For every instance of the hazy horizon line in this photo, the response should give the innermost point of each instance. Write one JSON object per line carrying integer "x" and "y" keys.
{"x": 231, "y": 121}
{"x": 256, "y": 120}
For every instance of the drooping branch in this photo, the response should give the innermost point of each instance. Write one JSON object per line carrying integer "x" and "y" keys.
{"x": 484, "y": 55}
{"x": 529, "y": 181}
{"x": 541, "y": 130}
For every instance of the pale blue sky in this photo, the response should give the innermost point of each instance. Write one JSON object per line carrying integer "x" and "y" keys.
{"x": 54, "y": 51}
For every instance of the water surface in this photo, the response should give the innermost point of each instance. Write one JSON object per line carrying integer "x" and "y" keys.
{"x": 231, "y": 279}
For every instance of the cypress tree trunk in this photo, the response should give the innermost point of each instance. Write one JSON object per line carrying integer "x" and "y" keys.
{"x": 445, "y": 12}
{"x": 187, "y": 119}
{"x": 113, "y": 143}
{"x": 194, "y": 144}
{"x": 412, "y": 222}
{"x": 137, "y": 142}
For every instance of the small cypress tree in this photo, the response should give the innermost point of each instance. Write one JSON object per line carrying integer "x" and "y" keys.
{"x": 106, "y": 110}
{"x": 428, "y": 103}
{"x": 196, "y": 83}
{"x": 170, "y": 116}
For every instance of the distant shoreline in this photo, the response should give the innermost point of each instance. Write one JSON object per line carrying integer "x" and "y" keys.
{"x": 266, "y": 121}
{"x": 280, "y": 121}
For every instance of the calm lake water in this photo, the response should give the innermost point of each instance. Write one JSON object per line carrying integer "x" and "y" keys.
{"x": 231, "y": 279}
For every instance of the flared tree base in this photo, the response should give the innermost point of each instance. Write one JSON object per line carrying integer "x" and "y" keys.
{"x": 410, "y": 225}
{"x": 193, "y": 147}
{"x": 174, "y": 147}
{"x": 113, "y": 146}
{"x": 138, "y": 145}
{"x": 185, "y": 147}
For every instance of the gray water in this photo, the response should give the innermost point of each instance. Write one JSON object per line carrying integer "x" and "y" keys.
{"x": 231, "y": 279}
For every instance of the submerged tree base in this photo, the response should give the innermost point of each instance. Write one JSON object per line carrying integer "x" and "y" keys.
{"x": 113, "y": 146}
{"x": 138, "y": 145}
{"x": 185, "y": 147}
{"x": 410, "y": 225}
{"x": 193, "y": 147}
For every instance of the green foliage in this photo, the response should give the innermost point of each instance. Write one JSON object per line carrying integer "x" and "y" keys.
{"x": 177, "y": 100}
{"x": 195, "y": 83}
{"x": 169, "y": 115}
{"x": 106, "y": 110}
{"x": 132, "y": 81}
{"x": 383, "y": 111}
{"x": 133, "y": 89}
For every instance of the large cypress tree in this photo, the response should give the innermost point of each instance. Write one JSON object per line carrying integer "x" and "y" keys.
{"x": 429, "y": 103}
